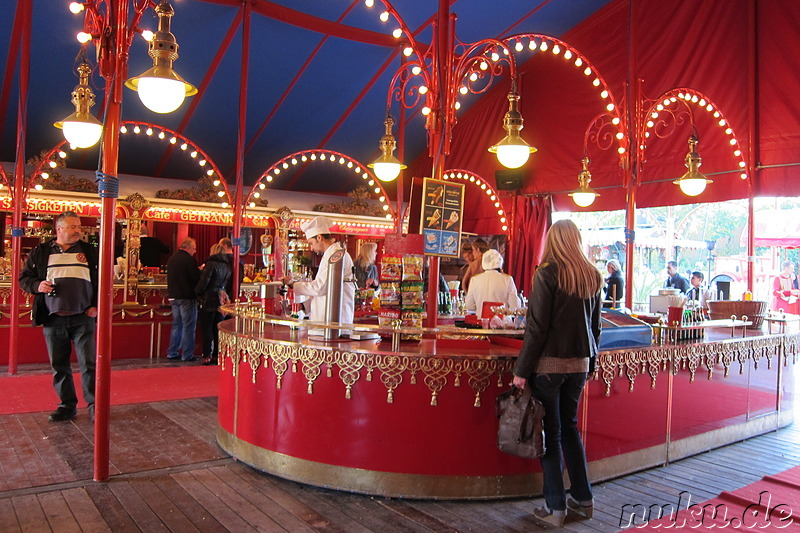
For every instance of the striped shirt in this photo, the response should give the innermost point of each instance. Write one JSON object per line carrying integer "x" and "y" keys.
{"x": 69, "y": 272}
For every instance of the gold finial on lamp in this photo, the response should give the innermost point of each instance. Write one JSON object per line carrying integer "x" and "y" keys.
{"x": 692, "y": 182}
{"x": 160, "y": 88}
{"x": 512, "y": 151}
{"x": 387, "y": 167}
{"x": 81, "y": 129}
{"x": 585, "y": 195}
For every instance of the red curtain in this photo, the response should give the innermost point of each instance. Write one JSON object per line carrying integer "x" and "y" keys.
{"x": 531, "y": 222}
{"x": 206, "y": 236}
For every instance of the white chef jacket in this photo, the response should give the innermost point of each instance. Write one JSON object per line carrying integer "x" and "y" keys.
{"x": 318, "y": 289}
{"x": 491, "y": 286}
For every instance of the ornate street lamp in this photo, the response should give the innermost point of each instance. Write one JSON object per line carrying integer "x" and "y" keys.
{"x": 512, "y": 151}
{"x": 387, "y": 167}
{"x": 160, "y": 88}
{"x": 585, "y": 195}
{"x": 692, "y": 183}
{"x": 81, "y": 129}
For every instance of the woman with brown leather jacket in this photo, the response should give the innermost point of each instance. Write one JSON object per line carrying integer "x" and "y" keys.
{"x": 562, "y": 333}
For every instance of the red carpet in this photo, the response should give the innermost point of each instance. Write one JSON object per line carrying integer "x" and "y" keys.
{"x": 33, "y": 393}
{"x": 772, "y": 504}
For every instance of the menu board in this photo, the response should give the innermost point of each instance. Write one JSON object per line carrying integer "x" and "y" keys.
{"x": 442, "y": 206}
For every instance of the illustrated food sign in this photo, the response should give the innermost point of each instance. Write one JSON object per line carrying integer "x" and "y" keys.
{"x": 442, "y": 206}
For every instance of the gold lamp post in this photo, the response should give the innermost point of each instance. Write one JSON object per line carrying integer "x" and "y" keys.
{"x": 585, "y": 195}
{"x": 692, "y": 183}
{"x": 387, "y": 167}
{"x": 512, "y": 151}
{"x": 81, "y": 128}
{"x": 160, "y": 88}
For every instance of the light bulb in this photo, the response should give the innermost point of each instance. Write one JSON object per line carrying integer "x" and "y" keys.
{"x": 583, "y": 199}
{"x": 386, "y": 171}
{"x": 82, "y": 134}
{"x": 161, "y": 95}
{"x": 513, "y": 156}
{"x": 692, "y": 186}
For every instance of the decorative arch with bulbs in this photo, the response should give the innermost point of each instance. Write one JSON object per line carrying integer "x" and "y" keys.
{"x": 161, "y": 133}
{"x": 664, "y": 110}
{"x": 321, "y": 156}
{"x": 491, "y": 193}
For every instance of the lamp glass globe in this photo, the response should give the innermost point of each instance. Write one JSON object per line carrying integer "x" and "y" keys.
{"x": 161, "y": 95}
{"x": 583, "y": 199}
{"x": 513, "y": 156}
{"x": 692, "y": 186}
{"x": 82, "y": 134}
{"x": 386, "y": 171}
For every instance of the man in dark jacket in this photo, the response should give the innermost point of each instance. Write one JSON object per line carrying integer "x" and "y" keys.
{"x": 212, "y": 291}
{"x": 675, "y": 280}
{"x": 182, "y": 277}
{"x": 62, "y": 275}
{"x": 151, "y": 249}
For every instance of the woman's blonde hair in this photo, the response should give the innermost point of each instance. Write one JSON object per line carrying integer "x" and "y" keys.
{"x": 577, "y": 276}
{"x": 366, "y": 254}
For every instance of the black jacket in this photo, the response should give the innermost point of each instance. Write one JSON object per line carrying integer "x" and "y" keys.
{"x": 678, "y": 282}
{"x": 216, "y": 277}
{"x": 614, "y": 280}
{"x": 557, "y": 324}
{"x": 35, "y": 271}
{"x": 182, "y": 275}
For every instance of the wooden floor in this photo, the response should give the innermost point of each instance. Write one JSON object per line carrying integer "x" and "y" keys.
{"x": 169, "y": 475}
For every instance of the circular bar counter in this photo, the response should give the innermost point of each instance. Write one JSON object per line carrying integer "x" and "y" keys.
{"x": 418, "y": 421}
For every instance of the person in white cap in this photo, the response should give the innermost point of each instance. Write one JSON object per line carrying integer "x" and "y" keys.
{"x": 491, "y": 285}
{"x": 319, "y": 238}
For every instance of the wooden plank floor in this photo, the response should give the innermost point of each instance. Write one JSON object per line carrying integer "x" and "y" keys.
{"x": 168, "y": 474}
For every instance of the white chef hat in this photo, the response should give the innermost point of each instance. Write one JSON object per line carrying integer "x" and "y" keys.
{"x": 491, "y": 260}
{"x": 316, "y": 226}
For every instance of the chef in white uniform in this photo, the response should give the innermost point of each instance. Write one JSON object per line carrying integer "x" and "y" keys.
{"x": 320, "y": 240}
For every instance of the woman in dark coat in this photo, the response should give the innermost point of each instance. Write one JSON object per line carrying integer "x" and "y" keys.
{"x": 562, "y": 333}
{"x": 615, "y": 285}
{"x": 212, "y": 291}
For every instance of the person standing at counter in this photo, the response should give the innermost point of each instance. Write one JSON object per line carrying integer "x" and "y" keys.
{"x": 479, "y": 247}
{"x": 365, "y": 270}
{"x": 785, "y": 289}
{"x": 697, "y": 286}
{"x": 491, "y": 285}
{"x": 319, "y": 238}
{"x": 150, "y": 249}
{"x": 562, "y": 335}
{"x": 182, "y": 277}
{"x": 62, "y": 275}
{"x": 466, "y": 273}
{"x": 213, "y": 291}
{"x": 675, "y": 280}
{"x": 615, "y": 285}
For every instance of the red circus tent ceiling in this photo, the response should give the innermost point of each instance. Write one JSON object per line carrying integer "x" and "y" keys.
{"x": 676, "y": 43}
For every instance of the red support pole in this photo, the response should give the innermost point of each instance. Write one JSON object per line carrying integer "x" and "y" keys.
{"x": 753, "y": 152}
{"x": 24, "y": 12}
{"x": 440, "y": 132}
{"x": 117, "y": 67}
{"x": 634, "y": 157}
{"x": 238, "y": 213}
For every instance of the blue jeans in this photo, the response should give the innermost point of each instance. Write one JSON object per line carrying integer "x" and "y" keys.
{"x": 560, "y": 395}
{"x": 184, "y": 322}
{"x": 60, "y": 333}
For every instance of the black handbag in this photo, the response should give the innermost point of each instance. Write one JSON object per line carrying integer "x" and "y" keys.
{"x": 521, "y": 428}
